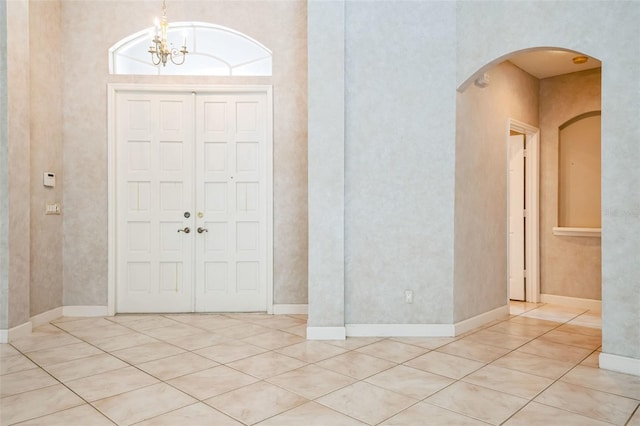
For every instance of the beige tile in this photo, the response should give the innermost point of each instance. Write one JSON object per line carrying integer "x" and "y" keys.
{"x": 573, "y": 339}
{"x": 80, "y": 415}
{"x": 534, "y": 364}
{"x": 274, "y": 339}
{"x": 192, "y": 415}
{"x": 311, "y": 414}
{"x": 13, "y": 364}
{"x": 517, "y": 307}
{"x": 110, "y": 383}
{"x": 36, "y": 403}
{"x": 311, "y": 351}
{"x": 143, "y": 322}
{"x": 592, "y": 360}
{"x": 554, "y": 313}
{"x": 255, "y": 402}
{"x": 366, "y": 402}
{"x": 426, "y": 342}
{"x": 606, "y": 381}
{"x": 535, "y": 322}
{"x": 243, "y": 330}
{"x": 590, "y": 319}
{"x": 141, "y": 404}
{"x": 24, "y": 381}
{"x": 93, "y": 334}
{"x": 172, "y": 331}
{"x": 445, "y": 365}
{"x": 232, "y": 350}
{"x": 556, "y": 351}
{"x": 356, "y": 365}
{"x": 472, "y": 350}
{"x": 424, "y": 413}
{"x": 177, "y": 365}
{"x": 509, "y": 381}
{"x": 74, "y": 324}
{"x": 123, "y": 341}
{"x": 266, "y": 365}
{"x": 213, "y": 322}
{"x": 147, "y": 352}
{"x": 494, "y": 338}
{"x": 214, "y": 381}
{"x": 84, "y": 367}
{"x": 197, "y": 341}
{"x": 311, "y": 381}
{"x": 7, "y": 350}
{"x": 65, "y": 353}
{"x": 539, "y": 414}
{"x": 298, "y": 330}
{"x": 37, "y": 342}
{"x": 588, "y": 402}
{"x": 392, "y": 351}
{"x": 520, "y": 329}
{"x": 351, "y": 343}
{"x": 281, "y": 322}
{"x": 410, "y": 382}
{"x": 480, "y": 403}
{"x": 570, "y": 327}
{"x": 635, "y": 419}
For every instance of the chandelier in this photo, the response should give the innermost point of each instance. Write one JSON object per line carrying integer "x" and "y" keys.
{"x": 159, "y": 50}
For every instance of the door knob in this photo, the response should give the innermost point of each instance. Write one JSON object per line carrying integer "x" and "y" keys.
{"x": 186, "y": 230}
{"x": 201, "y": 230}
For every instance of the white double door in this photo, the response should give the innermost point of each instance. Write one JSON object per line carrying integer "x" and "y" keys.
{"x": 192, "y": 202}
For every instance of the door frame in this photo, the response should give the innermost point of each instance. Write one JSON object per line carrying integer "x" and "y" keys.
{"x": 112, "y": 90}
{"x": 532, "y": 197}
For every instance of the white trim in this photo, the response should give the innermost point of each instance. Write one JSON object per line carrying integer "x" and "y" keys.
{"x": 479, "y": 320}
{"x": 46, "y": 317}
{"x": 326, "y": 333}
{"x": 112, "y": 89}
{"x": 621, "y": 364}
{"x": 291, "y": 309}
{"x": 400, "y": 330}
{"x": 22, "y": 330}
{"x": 572, "y": 302}
{"x": 533, "y": 201}
{"x": 86, "y": 311}
{"x": 563, "y": 231}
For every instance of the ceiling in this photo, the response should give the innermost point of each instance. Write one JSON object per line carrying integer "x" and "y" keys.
{"x": 549, "y": 63}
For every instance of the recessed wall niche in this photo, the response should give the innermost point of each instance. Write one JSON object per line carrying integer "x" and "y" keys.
{"x": 579, "y": 172}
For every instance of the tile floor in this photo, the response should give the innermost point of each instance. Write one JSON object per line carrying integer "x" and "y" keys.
{"x": 537, "y": 366}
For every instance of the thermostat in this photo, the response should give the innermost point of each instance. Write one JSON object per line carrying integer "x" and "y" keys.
{"x": 49, "y": 179}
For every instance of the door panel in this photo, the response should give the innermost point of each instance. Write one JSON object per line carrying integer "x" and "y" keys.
{"x": 154, "y": 144}
{"x": 516, "y": 218}
{"x": 231, "y": 144}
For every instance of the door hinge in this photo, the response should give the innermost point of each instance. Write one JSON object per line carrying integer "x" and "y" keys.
{"x": 524, "y": 213}
{"x": 524, "y": 272}
{"x": 524, "y": 152}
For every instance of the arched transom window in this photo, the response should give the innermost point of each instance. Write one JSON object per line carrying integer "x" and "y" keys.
{"x": 213, "y": 50}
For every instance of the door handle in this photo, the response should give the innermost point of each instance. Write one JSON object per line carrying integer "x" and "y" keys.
{"x": 201, "y": 230}
{"x": 186, "y": 230}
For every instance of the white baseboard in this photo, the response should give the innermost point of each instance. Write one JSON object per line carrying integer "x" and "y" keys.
{"x": 290, "y": 309}
{"x": 479, "y": 320}
{"x": 572, "y": 302}
{"x": 400, "y": 330}
{"x": 22, "y": 330}
{"x": 621, "y": 364}
{"x": 85, "y": 311}
{"x": 326, "y": 333}
{"x": 46, "y": 317}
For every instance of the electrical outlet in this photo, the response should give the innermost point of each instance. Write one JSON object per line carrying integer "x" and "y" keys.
{"x": 408, "y": 296}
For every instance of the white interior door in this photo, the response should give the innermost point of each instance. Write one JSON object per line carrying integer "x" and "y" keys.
{"x": 231, "y": 175}
{"x": 155, "y": 188}
{"x": 517, "y": 217}
{"x": 197, "y": 163}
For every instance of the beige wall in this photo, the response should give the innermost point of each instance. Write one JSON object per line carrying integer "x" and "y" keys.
{"x": 569, "y": 266}
{"x": 90, "y": 28}
{"x": 480, "y": 273}
{"x": 46, "y": 155}
{"x": 16, "y": 304}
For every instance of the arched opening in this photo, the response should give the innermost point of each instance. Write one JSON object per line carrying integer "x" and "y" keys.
{"x": 213, "y": 50}
{"x": 542, "y": 88}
